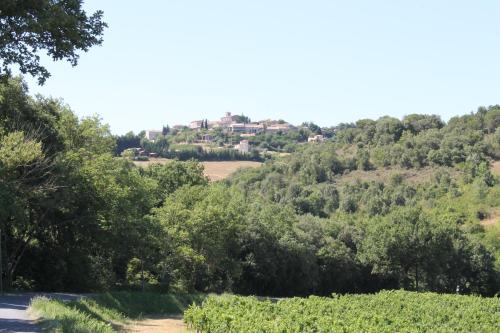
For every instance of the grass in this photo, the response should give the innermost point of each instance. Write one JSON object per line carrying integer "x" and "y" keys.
{"x": 83, "y": 316}
{"x": 135, "y": 304}
{"x": 106, "y": 313}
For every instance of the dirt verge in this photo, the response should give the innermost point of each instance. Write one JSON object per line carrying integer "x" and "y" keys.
{"x": 170, "y": 324}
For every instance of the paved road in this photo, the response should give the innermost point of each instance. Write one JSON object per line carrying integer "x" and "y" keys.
{"x": 13, "y": 315}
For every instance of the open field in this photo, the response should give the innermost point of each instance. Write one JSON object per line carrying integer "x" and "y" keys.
{"x": 215, "y": 170}
{"x": 222, "y": 169}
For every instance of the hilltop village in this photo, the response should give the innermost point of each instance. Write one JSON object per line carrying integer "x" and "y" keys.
{"x": 231, "y": 137}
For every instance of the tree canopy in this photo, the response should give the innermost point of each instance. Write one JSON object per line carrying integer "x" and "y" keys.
{"x": 385, "y": 204}
{"x": 61, "y": 28}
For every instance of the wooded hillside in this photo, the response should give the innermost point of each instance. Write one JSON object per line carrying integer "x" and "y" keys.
{"x": 386, "y": 204}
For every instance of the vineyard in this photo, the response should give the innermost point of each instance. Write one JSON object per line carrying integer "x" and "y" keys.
{"x": 387, "y": 311}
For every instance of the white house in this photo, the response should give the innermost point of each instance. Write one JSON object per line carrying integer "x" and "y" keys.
{"x": 275, "y": 128}
{"x": 151, "y": 135}
{"x": 196, "y": 124}
{"x": 246, "y": 128}
{"x": 316, "y": 138}
{"x": 243, "y": 146}
{"x": 226, "y": 120}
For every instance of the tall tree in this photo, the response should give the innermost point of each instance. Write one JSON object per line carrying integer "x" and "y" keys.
{"x": 165, "y": 130}
{"x": 60, "y": 27}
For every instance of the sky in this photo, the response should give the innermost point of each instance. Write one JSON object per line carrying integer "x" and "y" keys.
{"x": 326, "y": 61}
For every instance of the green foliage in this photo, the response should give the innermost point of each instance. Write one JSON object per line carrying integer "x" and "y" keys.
{"x": 137, "y": 275}
{"x": 388, "y": 311}
{"x": 61, "y": 28}
{"x": 417, "y": 123}
{"x": 280, "y": 142}
{"x": 17, "y": 151}
{"x": 137, "y": 304}
{"x": 421, "y": 140}
{"x": 383, "y": 204}
{"x": 173, "y": 175}
{"x": 375, "y": 239}
{"x": 201, "y": 225}
{"x": 129, "y": 140}
{"x": 241, "y": 119}
{"x": 428, "y": 254}
{"x": 187, "y": 152}
{"x": 88, "y": 134}
{"x": 159, "y": 146}
{"x": 312, "y": 127}
{"x": 72, "y": 216}
{"x": 37, "y": 118}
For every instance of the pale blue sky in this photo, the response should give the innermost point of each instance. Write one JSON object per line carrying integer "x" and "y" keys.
{"x": 172, "y": 61}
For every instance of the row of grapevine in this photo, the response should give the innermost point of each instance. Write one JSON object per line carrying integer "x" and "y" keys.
{"x": 387, "y": 311}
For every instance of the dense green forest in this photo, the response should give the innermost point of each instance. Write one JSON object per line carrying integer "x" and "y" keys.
{"x": 385, "y": 204}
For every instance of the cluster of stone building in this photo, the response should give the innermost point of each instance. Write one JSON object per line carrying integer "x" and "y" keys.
{"x": 229, "y": 122}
